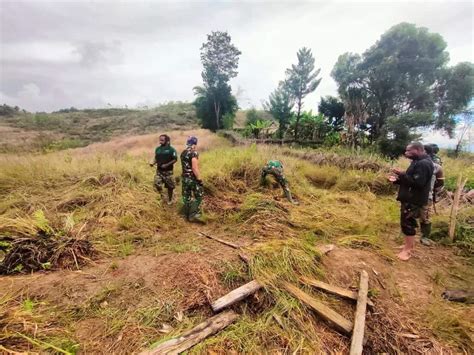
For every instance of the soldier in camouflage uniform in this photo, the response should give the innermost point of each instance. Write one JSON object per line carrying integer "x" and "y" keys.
{"x": 434, "y": 154}
{"x": 165, "y": 157}
{"x": 191, "y": 182}
{"x": 437, "y": 185}
{"x": 275, "y": 168}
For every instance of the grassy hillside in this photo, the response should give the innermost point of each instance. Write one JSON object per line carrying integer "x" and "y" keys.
{"x": 24, "y": 131}
{"x": 150, "y": 276}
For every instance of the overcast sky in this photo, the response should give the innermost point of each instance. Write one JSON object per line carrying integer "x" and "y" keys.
{"x": 57, "y": 54}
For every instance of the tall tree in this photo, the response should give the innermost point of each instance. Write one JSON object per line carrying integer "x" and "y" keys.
{"x": 279, "y": 105}
{"x": 220, "y": 60}
{"x": 301, "y": 80}
{"x": 333, "y": 109}
{"x": 405, "y": 75}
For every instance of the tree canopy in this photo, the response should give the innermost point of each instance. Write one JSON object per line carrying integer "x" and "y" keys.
{"x": 301, "y": 80}
{"x": 220, "y": 60}
{"x": 280, "y": 105}
{"x": 404, "y": 79}
{"x": 333, "y": 109}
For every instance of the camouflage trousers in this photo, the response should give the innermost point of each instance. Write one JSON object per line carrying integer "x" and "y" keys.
{"x": 278, "y": 174}
{"x": 164, "y": 178}
{"x": 426, "y": 213}
{"x": 191, "y": 188}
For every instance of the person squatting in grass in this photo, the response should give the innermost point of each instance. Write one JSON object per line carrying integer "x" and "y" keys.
{"x": 415, "y": 185}
{"x": 275, "y": 168}
{"x": 191, "y": 181}
{"x": 436, "y": 187}
{"x": 165, "y": 157}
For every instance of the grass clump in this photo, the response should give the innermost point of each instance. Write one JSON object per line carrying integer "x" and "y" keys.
{"x": 449, "y": 323}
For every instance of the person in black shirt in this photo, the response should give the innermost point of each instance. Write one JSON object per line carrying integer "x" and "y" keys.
{"x": 415, "y": 186}
{"x": 165, "y": 157}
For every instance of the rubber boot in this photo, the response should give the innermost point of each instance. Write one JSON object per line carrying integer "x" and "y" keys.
{"x": 289, "y": 197}
{"x": 170, "y": 197}
{"x": 425, "y": 234}
{"x": 192, "y": 211}
{"x": 186, "y": 211}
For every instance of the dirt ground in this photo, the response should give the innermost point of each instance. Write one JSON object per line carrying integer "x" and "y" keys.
{"x": 190, "y": 280}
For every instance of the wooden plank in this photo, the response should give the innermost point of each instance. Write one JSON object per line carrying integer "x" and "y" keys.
{"x": 455, "y": 206}
{"x": 232, "y": 245}
{"x": 334, "y": 290}
{"x": 245, "y": 257}
{"x": 236, "y": 295}
{"x": 359, "y": 320}
{"x": 194, "y": 336}
{"x": 340, "y": 323}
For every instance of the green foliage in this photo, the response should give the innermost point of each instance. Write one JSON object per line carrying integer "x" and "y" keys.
{"x": 228, "y": 120}
{"x": 220, "y": 59}
{"x": 404, "y": 74}
{"x": 252, "y": 116}
{"x": 279, "y": 105}
{"x": 311, "y": 127}
{"x": 28, "y": 305}
{"x": 41, "y": 222}
{"x": 256, "y": 128}
{"x": 333, "y": 109}
{"x": 205, "y": 107}
{"x": 301, "y": 80}
{"x": 455, "y": 91}
{"x": 398, "y": 132}
{"x": 6, "y": 110}
{"x": 67, "y": 143}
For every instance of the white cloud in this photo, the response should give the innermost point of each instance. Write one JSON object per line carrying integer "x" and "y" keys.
{"x": 89, "y": 53}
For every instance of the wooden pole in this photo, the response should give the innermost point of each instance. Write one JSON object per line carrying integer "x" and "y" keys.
{"x": 232, "y": 245}
{"x": 236, "y": 295}
{"x": 194, "y": 336}
{"x": 454, "y": 208}
{"x": 359, "y": 320}
{"x": 340, "y": 323}
{"x": 334, "y": 290}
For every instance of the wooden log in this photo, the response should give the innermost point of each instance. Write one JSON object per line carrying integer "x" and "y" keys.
{"x": 232, "y": 245}
{"x": 194, "y": 336}
{"x": 455, "y": 206}
{"x": 236, "y": 295}
{"x": 245, "y": 257}
{"x": 334, "y": 290}
{"x": 340, "y": 323}
{"x": 359, "y": 320}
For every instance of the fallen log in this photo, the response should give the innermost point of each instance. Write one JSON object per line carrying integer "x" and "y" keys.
{"x": 245, "y": 258}
{"x": 359, "y": 320}
{"x": 236, "y": 295}
{"x": 334, "y": 290}
{"x": 232, "y": 245}
{"x": 194, "y": 336}
{"x": 340, "y": 323}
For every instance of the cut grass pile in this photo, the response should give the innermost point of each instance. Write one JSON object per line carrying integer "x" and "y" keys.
{"x": 103, "y": 195}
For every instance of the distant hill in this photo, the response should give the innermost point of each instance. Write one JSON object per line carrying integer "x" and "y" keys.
{"x": 68, "y": 128}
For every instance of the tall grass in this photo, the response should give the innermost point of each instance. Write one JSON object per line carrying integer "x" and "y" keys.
{"x": 105, "y": 191}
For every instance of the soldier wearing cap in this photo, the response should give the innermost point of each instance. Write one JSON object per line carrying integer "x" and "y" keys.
{"x": 191, "y": 182}
{"x": 275, "y": 168}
